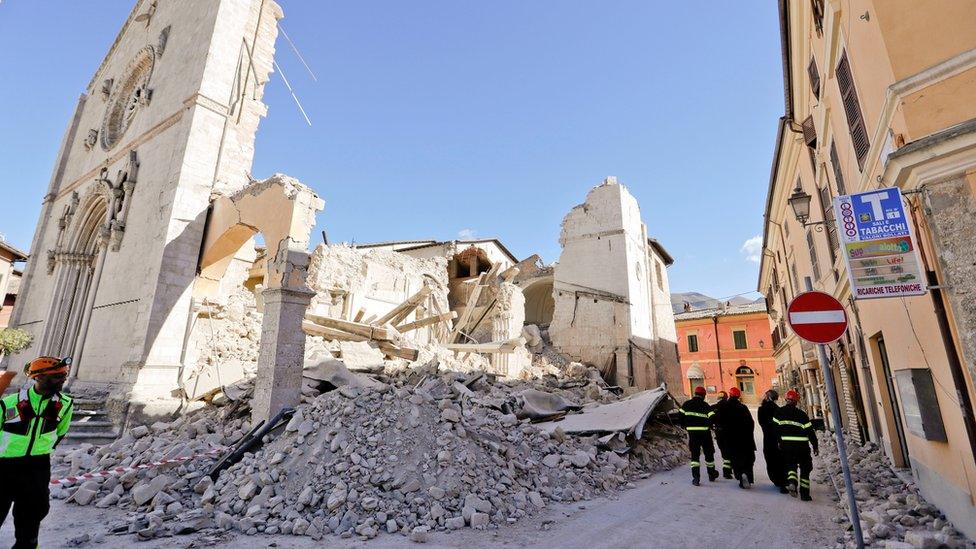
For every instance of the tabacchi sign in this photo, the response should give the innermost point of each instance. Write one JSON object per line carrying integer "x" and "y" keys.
{"x": 878, "y": 244}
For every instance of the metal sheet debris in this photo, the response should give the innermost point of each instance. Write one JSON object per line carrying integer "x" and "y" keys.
{"x": 627, "y": 416}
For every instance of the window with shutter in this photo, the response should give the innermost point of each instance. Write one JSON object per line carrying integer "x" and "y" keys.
{"x": 818, "y": 15}
{"x": 852, "y": 108}
{"x": 838, "y": 173}
{"x": 814, "y": 77}
{"x": 827, "y": 209}
{"x": 814, "y": 260}
{"x": 810, "y": 138}
{"x": 739, "y": 339}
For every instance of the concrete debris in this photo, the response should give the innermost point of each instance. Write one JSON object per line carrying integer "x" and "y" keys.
{"x": 893, "y": 512}
{"x": 409, "y": 451}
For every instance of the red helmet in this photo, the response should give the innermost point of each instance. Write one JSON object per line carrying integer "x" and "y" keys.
{"x": 734, "y": 392}
{"x": 792, "y": 396}
{"x": 700, "y": 391}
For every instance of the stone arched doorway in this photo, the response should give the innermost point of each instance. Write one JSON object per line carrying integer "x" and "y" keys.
{"x": 539, "y": 303}
{"x": 745, "y": 380}
{"x": 76, "y": 266}
{"x": 696, "y": 378}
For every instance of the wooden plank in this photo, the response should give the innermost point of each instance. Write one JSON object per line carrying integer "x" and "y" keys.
{"x": 312, "y": 328}
{"x": 402, "y": 352}
{"x": 491, "y": 347}
{"x": 401, "y": 311}
{"x": 358, "y": 328}
{"x": 473, "y": 301}
{"x": 359, "y": 315}
{"x": 509, "y": 274}
{"x": 426, "y": 321}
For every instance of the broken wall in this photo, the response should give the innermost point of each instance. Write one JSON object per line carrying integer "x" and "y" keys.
{"x": 602, "y": 313}
{"x": 349, "y": 282}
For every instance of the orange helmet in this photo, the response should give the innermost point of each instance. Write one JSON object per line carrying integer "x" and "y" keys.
{"x": 47, "y": 365}
{"x": 792, "y": 396}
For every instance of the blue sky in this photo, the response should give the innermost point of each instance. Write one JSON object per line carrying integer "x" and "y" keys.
{"x": 440, "y": 118}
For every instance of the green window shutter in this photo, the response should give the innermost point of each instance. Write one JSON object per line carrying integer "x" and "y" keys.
{"x": 739, "y": 337}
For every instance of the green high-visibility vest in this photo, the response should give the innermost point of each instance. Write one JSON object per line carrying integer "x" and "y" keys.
{"x": 35, "y": 432}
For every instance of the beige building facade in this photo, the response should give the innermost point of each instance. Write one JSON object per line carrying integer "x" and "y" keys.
{"x": 883, "y": 94}
{"x": 10, "y": 277}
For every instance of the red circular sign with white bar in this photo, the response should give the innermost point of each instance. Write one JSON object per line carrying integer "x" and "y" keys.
{"x": 817, "y": 317}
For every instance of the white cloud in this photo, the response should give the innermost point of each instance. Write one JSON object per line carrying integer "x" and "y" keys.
{"x": 752, "y": 248}
{"x": 467, "y": 234}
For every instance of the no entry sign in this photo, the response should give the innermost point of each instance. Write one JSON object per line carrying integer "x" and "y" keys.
{"x": 817, "y": 317}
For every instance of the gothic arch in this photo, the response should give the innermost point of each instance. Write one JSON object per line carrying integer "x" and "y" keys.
{"x": 75, "y": 264}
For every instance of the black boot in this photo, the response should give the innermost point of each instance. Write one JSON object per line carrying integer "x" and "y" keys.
{"x": 712, "y": 475}
{"x": 791, "y": 488}
{"x": 696, "y": 481}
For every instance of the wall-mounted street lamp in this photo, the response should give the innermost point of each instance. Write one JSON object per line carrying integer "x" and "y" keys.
{"x": 799, "y": 201}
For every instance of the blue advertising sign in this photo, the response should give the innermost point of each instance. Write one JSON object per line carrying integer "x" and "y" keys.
{"x": 879, "y": 214}
{"x": 878, "y": 245}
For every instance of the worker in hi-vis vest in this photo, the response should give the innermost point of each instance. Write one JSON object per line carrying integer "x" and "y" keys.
{"x": 32, "y": 422}
{"x": 697, "y": 418}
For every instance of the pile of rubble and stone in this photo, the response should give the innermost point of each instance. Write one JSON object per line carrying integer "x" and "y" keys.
{"x": 893, "y": 513}
{"x": 406, "y": 452}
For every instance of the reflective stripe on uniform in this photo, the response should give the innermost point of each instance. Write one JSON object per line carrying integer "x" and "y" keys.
{"x": 805, "y": 482}
{"x": 795, "y": 439}
{"x": 793, "y": 423}
{"x": 792, "y": 475}
{"x": 695, "y": 463}
{"x": 696, "y": 428}
{"x": 697, "y": 414}
{"x": 710, "y": 464}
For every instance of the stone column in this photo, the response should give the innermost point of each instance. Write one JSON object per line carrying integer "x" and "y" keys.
{"x": 282, "y": 352}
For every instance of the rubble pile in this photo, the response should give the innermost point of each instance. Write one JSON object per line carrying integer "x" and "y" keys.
{"x": 411, "y": 452}
{"x": 893, "y": 513}
{"x": 232, "y": 334}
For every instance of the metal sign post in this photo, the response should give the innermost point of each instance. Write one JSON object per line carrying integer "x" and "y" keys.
{"x": 831, "y": 305}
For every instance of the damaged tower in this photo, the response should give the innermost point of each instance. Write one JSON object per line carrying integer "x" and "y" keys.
{"x": 612, "y": 304}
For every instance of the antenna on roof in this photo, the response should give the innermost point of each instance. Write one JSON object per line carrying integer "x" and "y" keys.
{"x": 287, "y": 85}
{"x": 295, "y": 49}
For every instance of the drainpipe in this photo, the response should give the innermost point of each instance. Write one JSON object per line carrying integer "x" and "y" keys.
{"x": 718, "y": 349}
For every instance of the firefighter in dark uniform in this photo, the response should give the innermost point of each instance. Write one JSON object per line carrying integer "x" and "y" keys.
{"x": 796, "y": 436}
{"x": 739, "y": 428}
{"x": 771, "y": 451}
{"x": 32, "y": 422}
{"x": 697, "y": 418}
{"x": 721, "y": 437}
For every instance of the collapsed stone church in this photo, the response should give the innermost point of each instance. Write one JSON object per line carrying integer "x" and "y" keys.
{"x": 150, "y": 221}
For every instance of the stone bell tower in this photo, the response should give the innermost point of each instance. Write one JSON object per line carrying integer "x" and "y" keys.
{"x": 167, "y": 120}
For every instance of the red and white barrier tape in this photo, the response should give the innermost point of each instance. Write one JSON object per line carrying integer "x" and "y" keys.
{"x": 122, "y": 470}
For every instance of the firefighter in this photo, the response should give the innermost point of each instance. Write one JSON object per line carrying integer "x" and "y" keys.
{"x": 32, "y": 423}
{"x": 796, "y": 436}
{"x": 696, "y": 418}
{"x": 720, "y": 438}
{"x": 738, "y": 430}
{"x": 771, "y": 452}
